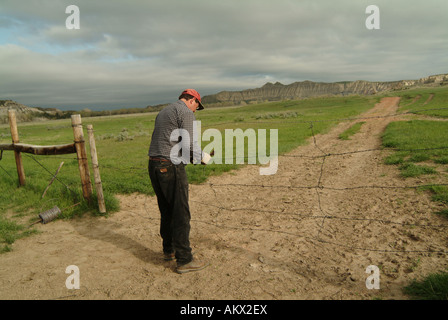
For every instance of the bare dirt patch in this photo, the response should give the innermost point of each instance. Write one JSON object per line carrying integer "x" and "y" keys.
{"x": 307, "y": 232}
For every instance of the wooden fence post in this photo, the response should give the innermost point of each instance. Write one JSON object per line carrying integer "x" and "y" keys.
{"x": 96, "y": 170}
{"x": 15, "y": 139}
{"x": 82, "y": 157}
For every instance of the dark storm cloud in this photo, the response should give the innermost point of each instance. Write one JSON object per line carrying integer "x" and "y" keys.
{"x": 137, "y": 53}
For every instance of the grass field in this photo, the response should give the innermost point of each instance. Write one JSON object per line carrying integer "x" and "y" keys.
{"x": 424, "y": 101}
{"x": 429, "y": 135}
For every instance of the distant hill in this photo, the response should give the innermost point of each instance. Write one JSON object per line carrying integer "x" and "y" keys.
{"x": 26, "y": 114}
{"x": 23, "y": 113}
{"x": 268, "y": 92}
{"x": 6, "y": 105}
{"x": 306, "y": 89}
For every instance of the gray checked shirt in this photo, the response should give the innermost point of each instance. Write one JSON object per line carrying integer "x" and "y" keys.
{"x": 166, "y": 140}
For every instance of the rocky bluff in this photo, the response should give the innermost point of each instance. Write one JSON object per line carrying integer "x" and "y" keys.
{"x": 306, "y": 89}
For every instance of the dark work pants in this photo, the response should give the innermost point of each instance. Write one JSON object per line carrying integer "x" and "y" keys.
{"x": 170, "y": 184}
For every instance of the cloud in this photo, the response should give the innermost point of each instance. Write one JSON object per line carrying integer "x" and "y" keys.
{"x": 143, "y": 52}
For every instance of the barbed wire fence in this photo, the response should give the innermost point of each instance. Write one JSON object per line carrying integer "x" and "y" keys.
{"x": 317, "y": 187}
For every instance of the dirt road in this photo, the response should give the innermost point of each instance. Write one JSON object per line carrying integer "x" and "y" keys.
{"x": 307, "y": 232}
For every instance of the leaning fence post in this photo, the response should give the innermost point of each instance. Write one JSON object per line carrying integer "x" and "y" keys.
{"x": 15, "y": 139}
{"x": 96, "y": 170}
{"x": 82, "y": 157}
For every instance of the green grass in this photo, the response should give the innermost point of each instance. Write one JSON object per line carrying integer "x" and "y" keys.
{"x": 439, "y": 193}
{"x": 413, "y": 170}
{"x": 417, "y": 134}
{"x": 433, "y": 287}
{"x": 409, "y": 137}
{"x": 417, "y": 100}
{"x": 10, "y": 231}
{"x": 351, "y": 131}
{"x": 443, "y": 213}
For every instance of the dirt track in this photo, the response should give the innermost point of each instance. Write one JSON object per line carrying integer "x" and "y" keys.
{"x": 299, "y": 240}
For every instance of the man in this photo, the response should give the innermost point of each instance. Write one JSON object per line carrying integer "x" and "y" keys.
{"x": 169, "y": 179}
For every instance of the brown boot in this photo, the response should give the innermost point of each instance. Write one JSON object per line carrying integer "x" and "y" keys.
{"x": 194, "y": 265}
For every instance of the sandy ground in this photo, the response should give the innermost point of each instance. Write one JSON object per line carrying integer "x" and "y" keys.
{"x": 298, "y": 234}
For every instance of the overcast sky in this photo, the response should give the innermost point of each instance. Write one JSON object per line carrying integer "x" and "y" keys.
{"x": 142, "y": 52}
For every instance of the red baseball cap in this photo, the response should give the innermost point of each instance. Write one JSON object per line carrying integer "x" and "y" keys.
{"x": 195, "y": 94}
